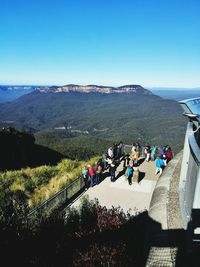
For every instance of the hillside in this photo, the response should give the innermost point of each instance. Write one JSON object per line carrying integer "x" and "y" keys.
{"x": 18, "y": 150}
{"x": 143, "y": 117}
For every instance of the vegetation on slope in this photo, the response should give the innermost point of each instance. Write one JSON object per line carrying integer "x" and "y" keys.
{"x": 38, "y": 184}
{"x": 81, "y": 147}
{"x": 127, "y": 117}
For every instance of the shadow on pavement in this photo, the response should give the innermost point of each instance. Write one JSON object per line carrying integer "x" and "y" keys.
{"x": 120, "y": 174}
{"x": 141, "y": 175}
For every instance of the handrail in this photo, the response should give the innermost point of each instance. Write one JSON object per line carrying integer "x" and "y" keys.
{"x": 59, "y": 193}
{"x": 194, "y": 148}
{"x": 189, "y": 187}
{"x": 63, "y": 194}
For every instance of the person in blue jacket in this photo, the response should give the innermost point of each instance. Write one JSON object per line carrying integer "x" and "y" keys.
{"x": 160, "y": 164}
{"x": 130, "y": 174}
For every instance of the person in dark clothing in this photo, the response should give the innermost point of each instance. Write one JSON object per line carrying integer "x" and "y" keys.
{"x": 104, "y": 161}
{"x": 99, "y": 173}
{"x": 115, "y": 150}
{"x": 112, "y": 171}
{"x": 118, "y": 154}
{"x": 126, "y": 160}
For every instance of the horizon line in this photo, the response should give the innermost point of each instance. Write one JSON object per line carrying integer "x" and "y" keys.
{"x": 145, "y": 86}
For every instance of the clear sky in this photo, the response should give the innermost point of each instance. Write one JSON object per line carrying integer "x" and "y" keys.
{"x": 105, "y": 42}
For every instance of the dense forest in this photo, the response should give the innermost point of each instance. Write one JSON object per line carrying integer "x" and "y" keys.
{"x": 64, "y": 120}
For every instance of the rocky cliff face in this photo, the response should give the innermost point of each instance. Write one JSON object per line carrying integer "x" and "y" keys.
{"x": 137, "y": 89}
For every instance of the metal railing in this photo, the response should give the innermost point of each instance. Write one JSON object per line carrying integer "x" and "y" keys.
{"x": 189, "y": 187}
{"x": 66, "y": 194}
{"x": 60, "y": 198}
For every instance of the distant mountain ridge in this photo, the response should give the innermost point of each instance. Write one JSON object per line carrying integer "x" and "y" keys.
{"x": 109, "y": 116}
{"x": 137, "y": 89}
{"x": 16, "y": 87}
{"x": 12, "y": 92}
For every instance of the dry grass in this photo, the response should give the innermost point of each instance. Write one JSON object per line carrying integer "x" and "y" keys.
{"x": 42, "y": 182}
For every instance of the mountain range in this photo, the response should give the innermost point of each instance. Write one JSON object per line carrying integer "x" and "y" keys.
{"x": 72, "y": 117}
{"x": 137, "y": 89}
{"x": 11, "y": 92}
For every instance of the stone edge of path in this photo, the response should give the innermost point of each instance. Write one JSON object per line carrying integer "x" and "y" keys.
{"x": 164, "y": 211}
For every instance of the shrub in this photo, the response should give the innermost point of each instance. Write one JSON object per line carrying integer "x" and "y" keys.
{"x": 81, "y": 239}
{"x": 68, "y": 165}
{"x": 43, "y": 174}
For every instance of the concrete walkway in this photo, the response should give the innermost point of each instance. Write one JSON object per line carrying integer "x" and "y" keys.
{"x": 131, "y": 198}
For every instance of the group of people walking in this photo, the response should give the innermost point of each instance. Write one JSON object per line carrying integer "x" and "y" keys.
{"x": 115, "y": 151}
{"x": 161, "y": 155}
{"x": 92, "y": 175}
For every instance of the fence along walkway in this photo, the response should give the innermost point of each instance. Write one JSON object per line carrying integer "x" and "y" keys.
{"x": 132, "y": 198}
{"x": 109, "y": 194}
{"x": 62, "y": 197}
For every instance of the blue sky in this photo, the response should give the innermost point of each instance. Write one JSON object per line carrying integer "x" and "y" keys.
{"x": 155, "y": 43}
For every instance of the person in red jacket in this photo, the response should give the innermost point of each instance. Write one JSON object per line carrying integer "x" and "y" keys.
{"x": 169, "y": 154}
{"x": 91, "y": 175}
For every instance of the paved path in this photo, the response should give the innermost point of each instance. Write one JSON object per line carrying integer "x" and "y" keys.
{"x": 132, "y": 198}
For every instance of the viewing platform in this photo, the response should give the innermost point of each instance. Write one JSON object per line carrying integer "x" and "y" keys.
{"x": 156, "y": 194}
{"x": 131, "y": 198}
{"x": 170, "y": 202}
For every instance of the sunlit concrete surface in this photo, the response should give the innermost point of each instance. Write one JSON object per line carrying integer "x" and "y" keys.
{"x": 131, "y": 198}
